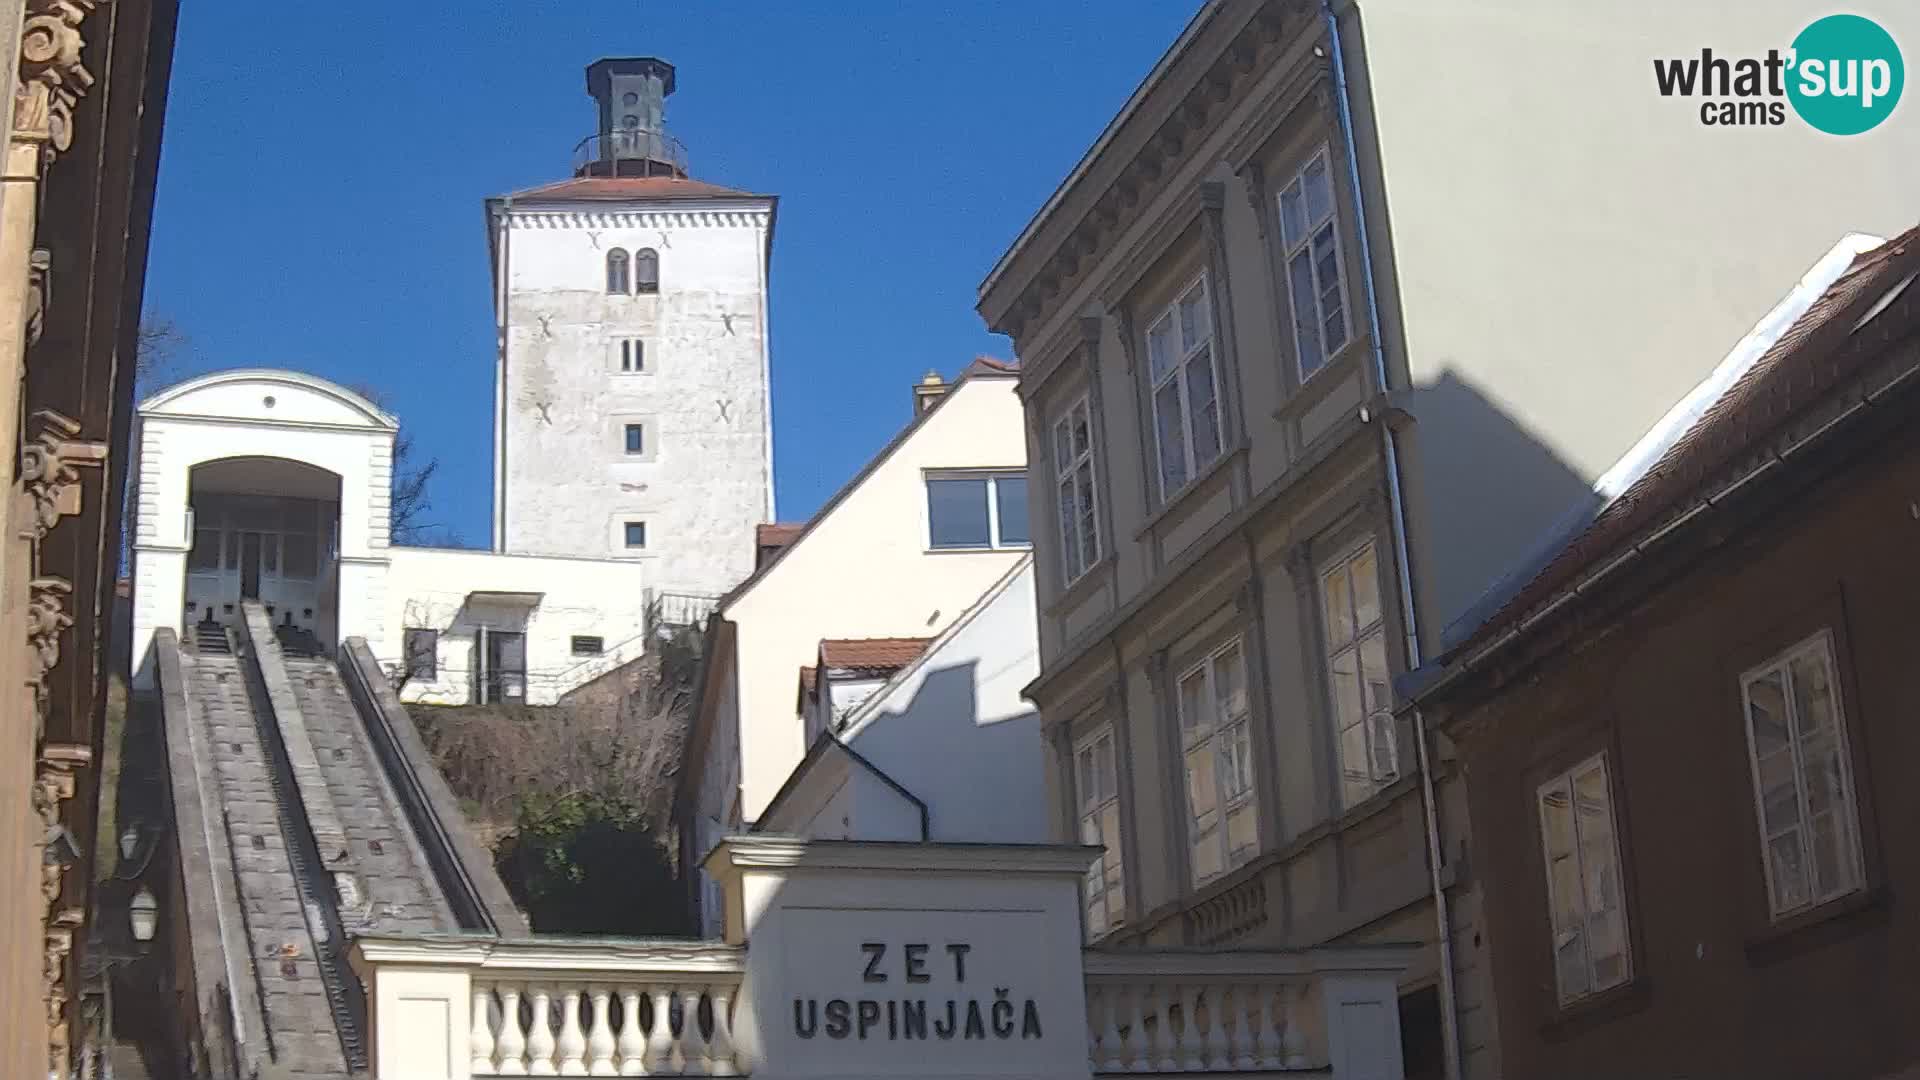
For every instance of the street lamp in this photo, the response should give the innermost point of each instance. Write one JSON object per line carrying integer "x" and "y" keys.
{"x": 143, "y": 911}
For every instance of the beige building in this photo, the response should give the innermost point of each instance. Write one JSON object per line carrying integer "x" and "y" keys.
{"x": 902, "y": 551}
{"x": 1342, "y": 317}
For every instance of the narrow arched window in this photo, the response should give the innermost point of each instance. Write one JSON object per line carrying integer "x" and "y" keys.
{"x": 646, "y": 271}
{"x": 617, "y": 272}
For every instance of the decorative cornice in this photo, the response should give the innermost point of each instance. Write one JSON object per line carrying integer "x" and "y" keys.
{"x": 52, "y": 79}
{"x": 1185, "y": 124}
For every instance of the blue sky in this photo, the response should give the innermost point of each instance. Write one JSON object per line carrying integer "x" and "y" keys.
{"x": 324, "y": 166}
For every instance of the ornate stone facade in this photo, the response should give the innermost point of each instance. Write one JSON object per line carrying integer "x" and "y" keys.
{"x": 78, "y": 170}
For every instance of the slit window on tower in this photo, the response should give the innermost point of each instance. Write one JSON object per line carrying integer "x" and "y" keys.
{"x": 617, "y": 272}
{"x": 633, "y": 355}
{"x": 646, "y": 271}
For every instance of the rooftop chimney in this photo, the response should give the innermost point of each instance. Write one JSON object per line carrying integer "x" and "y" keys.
{"x": 927, "y": 392}
{"x": 632, "y": 140}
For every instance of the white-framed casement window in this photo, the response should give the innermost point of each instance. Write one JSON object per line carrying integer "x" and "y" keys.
{"x": 1802, "y": 778}
{"x": 1357, "y": 675}
{"x": 1183, "y": 367}
{"x": 1097, "y": 787}
{"x": 1579, "y": 837}
{"x": 1216, "y": 741}
{"x": 1310, "y": 234}
{"x": 1079, "y": 505}
{"x": 977, "y": 510}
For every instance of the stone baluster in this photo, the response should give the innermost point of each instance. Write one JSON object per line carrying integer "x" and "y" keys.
{"x": 660, "y": 1038}
{"x": 722, "y": 1050}
{"x": 1293, "y": 1040}
{"x": 631, "y": 1047}
{"x": 1191, "y": 1048}
{"x": 540, "y": 1035}
{"x": 572, "y": 1046}
{"x": 1106, "y": 1056}
{"x": 1246, "y": 1026}
{"x": 1267, "y": 1047}
{"x": 693, "y": 1045}
{"x": 1219, "y": 1055}
{"x": 513, "y": 1042}
{"x": 600, "y": 1039}
{"x": 1139, "y": 1048}
{"x": 480, "y": 1039}
{"x": 1163, "y": 1036}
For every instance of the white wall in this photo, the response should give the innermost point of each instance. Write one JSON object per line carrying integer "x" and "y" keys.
{"x": 227, "y": 415}
{"x": 1595, "y": 244}
{"x": 567, "y": 484}
{"x": 429, "y": 587}
{"x": 953, "y": 730}
{"x": 864, "y": 570}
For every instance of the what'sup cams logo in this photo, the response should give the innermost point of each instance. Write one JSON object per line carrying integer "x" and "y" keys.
{"x": 1843, "y": 75}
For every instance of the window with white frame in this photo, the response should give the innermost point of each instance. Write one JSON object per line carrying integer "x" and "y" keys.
{"x": 1098, "y": 789}
{"x": 971, "y": 510}
{"x": 1578, "y": 836}
{"x": 1079, "y": 506}
{"x": 1185, "y": 374}
{"x": 1310, "y": 233}
{"x": 1361, "y": 686}
{"x": 1802, "y": 778}
{"x": 1216, "y": 742}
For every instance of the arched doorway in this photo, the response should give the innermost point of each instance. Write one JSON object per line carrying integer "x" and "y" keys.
{"x": 266, "y": 529}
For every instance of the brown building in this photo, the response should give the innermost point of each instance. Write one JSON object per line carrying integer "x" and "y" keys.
{"x": 1687, "y": 742}
{"x": 82, "y": 150}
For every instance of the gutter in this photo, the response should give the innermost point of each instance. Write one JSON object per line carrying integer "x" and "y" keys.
{"x": 1443, "y": 929}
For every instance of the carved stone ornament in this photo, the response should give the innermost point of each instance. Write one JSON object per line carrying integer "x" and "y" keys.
{"x": 50, "y": 467}
{"x": 39, "y": 292}
{"x": 55, "y": 783}
{"x": 46, "y": 618}
{"x": 52, "y": 78}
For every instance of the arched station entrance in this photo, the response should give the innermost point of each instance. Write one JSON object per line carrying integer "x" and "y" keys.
{"x": 267, "y": 529}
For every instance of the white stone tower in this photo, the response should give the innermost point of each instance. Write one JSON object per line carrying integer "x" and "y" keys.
{"x": 632, "y": 416}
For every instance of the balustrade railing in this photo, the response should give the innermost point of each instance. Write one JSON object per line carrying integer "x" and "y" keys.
{"x": 1193, "y": 1012}
{"x": 575, "y": 1027}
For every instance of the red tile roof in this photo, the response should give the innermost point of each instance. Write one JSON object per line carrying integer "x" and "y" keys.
{"x": 619, "y": 188}
{"x": 988, "y": 365}
{"x": 1808, "y": 360}
{"x": 871, "y": 654}
{"x": 809, "y": 680}
{"x": 777, "y": 533}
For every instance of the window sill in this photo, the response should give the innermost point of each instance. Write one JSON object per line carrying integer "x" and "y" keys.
{"x": 1816, "y": 926}
{"x": 1186, "y": 495}
{"x": 1083, "y": 586}
{"x": 1584, "y": 1014}
{"x": 1004, "y": 550}
{"x": 1317, "y": 386}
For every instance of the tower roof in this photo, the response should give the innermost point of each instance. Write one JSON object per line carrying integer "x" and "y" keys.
{"x": 621, "y": 188}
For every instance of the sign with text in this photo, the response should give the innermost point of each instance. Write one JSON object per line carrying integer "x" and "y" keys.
{"x": 944, "y": 992}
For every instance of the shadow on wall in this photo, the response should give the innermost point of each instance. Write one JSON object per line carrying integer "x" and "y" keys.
{"x": 1489, "y": 500}
{"x": 982, "y": 778}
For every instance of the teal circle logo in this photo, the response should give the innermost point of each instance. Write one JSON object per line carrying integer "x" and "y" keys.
{"x": 1846, "y": 74}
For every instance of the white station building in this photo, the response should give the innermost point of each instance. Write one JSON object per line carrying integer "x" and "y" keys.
{"x": 273, "y": 486}
{"x": 632, "y": 447}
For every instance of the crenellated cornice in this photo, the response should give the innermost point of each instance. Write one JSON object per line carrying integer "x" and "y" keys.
{"x": 521, "y": 218}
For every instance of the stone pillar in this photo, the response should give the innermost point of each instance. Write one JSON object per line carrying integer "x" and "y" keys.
{"x": 419, "y": 1008}
{"x": 1363, "y": 1025}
